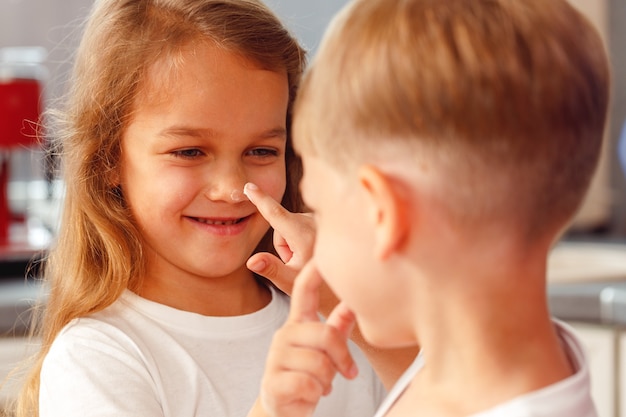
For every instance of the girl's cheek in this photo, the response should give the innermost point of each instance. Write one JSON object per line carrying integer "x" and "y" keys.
{"x": 273, "y": 184}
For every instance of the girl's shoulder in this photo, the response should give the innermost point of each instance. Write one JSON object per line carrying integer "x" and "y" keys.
{"x": 108, "y": 330}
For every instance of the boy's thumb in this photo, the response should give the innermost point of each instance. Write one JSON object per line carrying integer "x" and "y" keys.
{"x": 272, "y": 268}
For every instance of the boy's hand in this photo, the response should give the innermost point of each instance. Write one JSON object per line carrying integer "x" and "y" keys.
{"x": 294, "y": 236}
{"x": 305, "y": 353}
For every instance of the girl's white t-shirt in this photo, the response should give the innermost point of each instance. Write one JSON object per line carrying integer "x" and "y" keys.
{"x": 570, "y": 397}
{"x": 140, "y": 358}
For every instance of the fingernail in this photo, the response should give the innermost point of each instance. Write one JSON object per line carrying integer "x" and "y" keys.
{"x": 257, "y": 266}
{"x": 249, "y": 187}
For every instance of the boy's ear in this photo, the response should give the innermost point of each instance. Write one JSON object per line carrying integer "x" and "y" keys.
{"x": 388, "y": 211}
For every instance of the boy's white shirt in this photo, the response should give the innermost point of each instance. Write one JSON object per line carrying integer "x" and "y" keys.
{"x": 570, "y": 397}
{"x": 140, "y": 358}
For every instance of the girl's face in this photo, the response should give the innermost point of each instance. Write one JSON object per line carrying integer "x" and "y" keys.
{"x": 198, "y": 134}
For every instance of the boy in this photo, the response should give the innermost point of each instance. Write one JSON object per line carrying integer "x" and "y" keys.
{"x": 446, "y": 146}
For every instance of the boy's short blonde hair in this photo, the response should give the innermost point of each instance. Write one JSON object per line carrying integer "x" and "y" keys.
{"x": 505, "y": 99}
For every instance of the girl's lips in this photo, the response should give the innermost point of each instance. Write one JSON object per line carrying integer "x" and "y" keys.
{"x": 222, "y": 225}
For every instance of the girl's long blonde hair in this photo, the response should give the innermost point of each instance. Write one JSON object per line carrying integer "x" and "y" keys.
{"x": 98, "y": 253}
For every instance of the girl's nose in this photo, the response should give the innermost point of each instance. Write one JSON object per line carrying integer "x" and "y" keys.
{"x": 226, "y": 184}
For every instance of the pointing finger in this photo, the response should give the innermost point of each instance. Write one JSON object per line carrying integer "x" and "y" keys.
{"x": 277, "y": 216}
{"x": 304, "y": 308}
{"x": 305, "y": 298}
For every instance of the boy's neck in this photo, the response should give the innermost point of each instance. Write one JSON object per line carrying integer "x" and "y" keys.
{"x": 486, "y": 336}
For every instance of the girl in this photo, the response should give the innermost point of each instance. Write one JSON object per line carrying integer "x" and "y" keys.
{"x": 174, "y": 106}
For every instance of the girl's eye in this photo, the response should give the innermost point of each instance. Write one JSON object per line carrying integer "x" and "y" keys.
{"x": 187, "y": 153}
{"x": 263, "y": 152}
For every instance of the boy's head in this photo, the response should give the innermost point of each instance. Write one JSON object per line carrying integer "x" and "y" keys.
{"x": 497, "y": 105}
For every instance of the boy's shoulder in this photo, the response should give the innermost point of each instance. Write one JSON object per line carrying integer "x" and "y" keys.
{"x": 570, "y": 397}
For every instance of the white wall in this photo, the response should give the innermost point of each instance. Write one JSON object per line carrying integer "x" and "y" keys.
{"x": 53, "y": 24}
{"x": 48, "y": 23}
{"x": 596, "y": 209}
{"x": 307, "y": 19}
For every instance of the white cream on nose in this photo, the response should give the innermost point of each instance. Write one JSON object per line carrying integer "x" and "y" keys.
{"x": 237, "y": 195}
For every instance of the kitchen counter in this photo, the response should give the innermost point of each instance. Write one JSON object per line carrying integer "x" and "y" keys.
{"x": 19, "y": 288}
{"x": 17, "y": 298}
{"x": 587, "y": 282}
{"x": 591, "y": 302}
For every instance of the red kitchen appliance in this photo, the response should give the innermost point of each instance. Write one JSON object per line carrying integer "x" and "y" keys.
{"x": 20, "y": 110}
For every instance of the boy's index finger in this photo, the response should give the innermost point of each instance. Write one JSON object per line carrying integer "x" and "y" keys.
{"x": 270, "y": 209}
{"x": 305, "y": 298}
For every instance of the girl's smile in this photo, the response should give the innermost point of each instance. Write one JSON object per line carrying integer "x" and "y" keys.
{"x": 219, "y": 222}
{"x": 222, "y": 226}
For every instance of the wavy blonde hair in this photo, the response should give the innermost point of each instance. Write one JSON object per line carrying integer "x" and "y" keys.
{"x": 98, "y": 253}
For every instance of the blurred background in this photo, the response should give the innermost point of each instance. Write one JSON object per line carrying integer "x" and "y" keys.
{"x": 587, "y": 271}
{"x": 51, "y": 28}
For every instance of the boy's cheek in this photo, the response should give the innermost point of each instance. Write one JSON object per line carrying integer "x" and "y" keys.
{"x": 330, "y": 259}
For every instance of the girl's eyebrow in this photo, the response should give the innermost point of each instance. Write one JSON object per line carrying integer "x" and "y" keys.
{"x": 187, "y": 131}
{"x": 280, "y": 132}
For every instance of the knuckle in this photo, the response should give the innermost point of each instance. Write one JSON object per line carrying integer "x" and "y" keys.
{"x": 336, "y": 346}
{"x": 308, "y": 387}
{"x": 325, "y": 368}
{"x": 329, "y": 336}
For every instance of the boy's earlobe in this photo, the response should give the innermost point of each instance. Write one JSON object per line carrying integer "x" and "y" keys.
{"x": 387, "y": 210}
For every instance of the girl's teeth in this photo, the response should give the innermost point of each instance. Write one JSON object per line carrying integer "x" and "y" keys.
{"x": 218, "y": 222}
